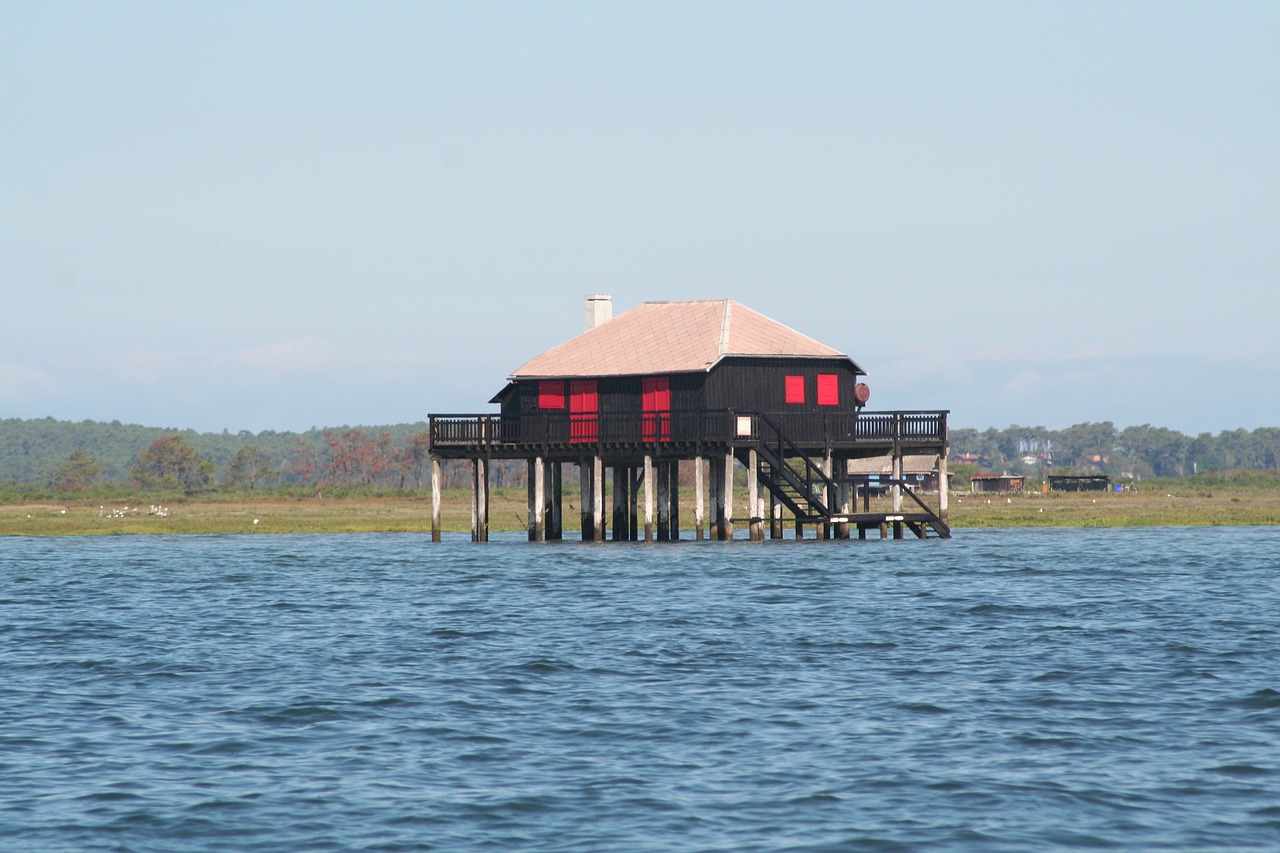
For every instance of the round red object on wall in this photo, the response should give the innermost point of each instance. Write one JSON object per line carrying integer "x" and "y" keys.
{"x": 862, "y": 393}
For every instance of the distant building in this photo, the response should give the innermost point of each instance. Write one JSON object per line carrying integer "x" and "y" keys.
{"x": 1074, "y": 483}
{"x": 995, "y": 483}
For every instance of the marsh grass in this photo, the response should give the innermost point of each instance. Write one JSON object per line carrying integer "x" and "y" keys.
{"x": 1148, "y": 508}
{"x": 1179, "y": 503}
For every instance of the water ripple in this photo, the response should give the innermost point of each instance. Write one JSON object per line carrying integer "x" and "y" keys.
{"x": 1006, "y": 690}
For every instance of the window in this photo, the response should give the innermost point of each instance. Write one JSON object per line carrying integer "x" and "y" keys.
{"x": 828, "y": 389}
{"x": 795, "y": 389}
{"x": 551, "y": 394}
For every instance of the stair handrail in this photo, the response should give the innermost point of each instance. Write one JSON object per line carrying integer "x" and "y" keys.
{"x": 784, "y": 444}
{"x": 911, "y": 493}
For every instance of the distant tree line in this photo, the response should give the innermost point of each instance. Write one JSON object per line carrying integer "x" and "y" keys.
{"x": 67, "y": 456}
{"x": 1137, "y": 451}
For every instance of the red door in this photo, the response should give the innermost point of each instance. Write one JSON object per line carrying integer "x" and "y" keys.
{"x": 656, "y": 408}
{"x": 584, "y": 407}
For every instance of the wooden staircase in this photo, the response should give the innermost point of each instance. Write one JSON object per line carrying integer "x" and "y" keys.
{"x": 811, "y": 495}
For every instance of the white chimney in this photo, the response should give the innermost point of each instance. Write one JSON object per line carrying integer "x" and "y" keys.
{"x": 599, "y": 309}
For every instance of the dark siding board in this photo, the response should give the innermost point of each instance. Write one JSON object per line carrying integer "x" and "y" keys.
{"x": 760, "y": 385}
{"x": 688, "y": 392}
{"x": 744, "y": 384}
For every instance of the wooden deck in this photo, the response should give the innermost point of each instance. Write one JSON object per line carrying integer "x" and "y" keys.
{"x": 610, "y": 435}
{"x": 798, "y": 459}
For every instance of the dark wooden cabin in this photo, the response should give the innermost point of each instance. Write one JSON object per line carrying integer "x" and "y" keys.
{"x": 991, "y": 484}
{"x": 703, "y": 381}
{"x": 664, "y": 361}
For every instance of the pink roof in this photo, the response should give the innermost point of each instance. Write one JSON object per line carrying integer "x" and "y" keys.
{"x": 673, "y": 337}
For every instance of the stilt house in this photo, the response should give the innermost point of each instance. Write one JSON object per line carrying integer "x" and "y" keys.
{"x": 696, "y": 381}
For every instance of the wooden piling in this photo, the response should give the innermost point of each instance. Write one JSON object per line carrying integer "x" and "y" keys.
{"x": 699, "y": 499}
{"x": 673, "y": 489}
{"x": 635, "y": 476}
{"x": 726, "y": 496}
{"x": 621, "y": 503}
{"x": 479, "y": 500}
{"x": 587, "y": 498}
{"x": 649, "y": 478}
{"x": 663, "y": 472}
{"x": 437, "y": 498}
{"x": 597, "y": 490}
{"x": 943, "y": 487}
{"x": 827, "y": 497}
{"x": 553, "y": 517}
{"x": 537, "y": 499}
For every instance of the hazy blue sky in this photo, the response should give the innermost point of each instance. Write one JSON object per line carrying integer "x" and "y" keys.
{"x": 283, "y": 215}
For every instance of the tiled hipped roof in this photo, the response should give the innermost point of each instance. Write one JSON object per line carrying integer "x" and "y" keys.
{"x": 673, "y": 337}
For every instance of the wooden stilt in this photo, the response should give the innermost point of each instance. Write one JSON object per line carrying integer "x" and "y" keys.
{"x": 537, "y": 499}
{"x": 587, "y": 498}
{"x": 479, "y": 500}
{"x": 726, "y": 496}
{"x": 699, "y": 518}
{"x": 845, "y": 496}
{"x": 633, "y": 508}
{"x": 673, "y": 489}
{"x": 621, "y": 502}
{"x": 436, "y": 498}
{"x": 555, "y": 495}
{"x": 895, "y": 489}
{"x": 943, "y": 487}
{"x": 649, "y": 478}
{"x": 827, "y": 498}
{"x": 715, "y": 472}
{"x": 775, "y": 517}
{"x": 755, "y": 523}
{"x": 663, "y": 473}
{"x": 597, "y": 504}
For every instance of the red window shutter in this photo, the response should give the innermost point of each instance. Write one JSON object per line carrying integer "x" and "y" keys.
{"x": 656, "y": 408}
{"x": 551, "y": 394}
{"x": 656, "y": 394}
{"x": 828, "y": 389}
{"x": 584, "y": 404}
{"x": 795, "y": 389}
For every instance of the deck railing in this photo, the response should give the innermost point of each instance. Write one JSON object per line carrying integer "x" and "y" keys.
{"x": 684, "y": 428}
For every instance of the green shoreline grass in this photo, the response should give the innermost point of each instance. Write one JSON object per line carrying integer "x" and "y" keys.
{"x": 412, "y": 513}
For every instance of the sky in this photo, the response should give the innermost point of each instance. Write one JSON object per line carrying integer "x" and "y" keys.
{"x": 278, "y": 216}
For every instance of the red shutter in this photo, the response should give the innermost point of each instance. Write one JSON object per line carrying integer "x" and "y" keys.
{"x": 584, "y": 404}
{"x": 795, "y": 389}
{"x": 828, "y": 389}
{"x": 551, "y": 394}
{"x": 656, "y": 407}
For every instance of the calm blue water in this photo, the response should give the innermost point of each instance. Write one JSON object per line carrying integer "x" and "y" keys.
{"x": 1005, "y": 690}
